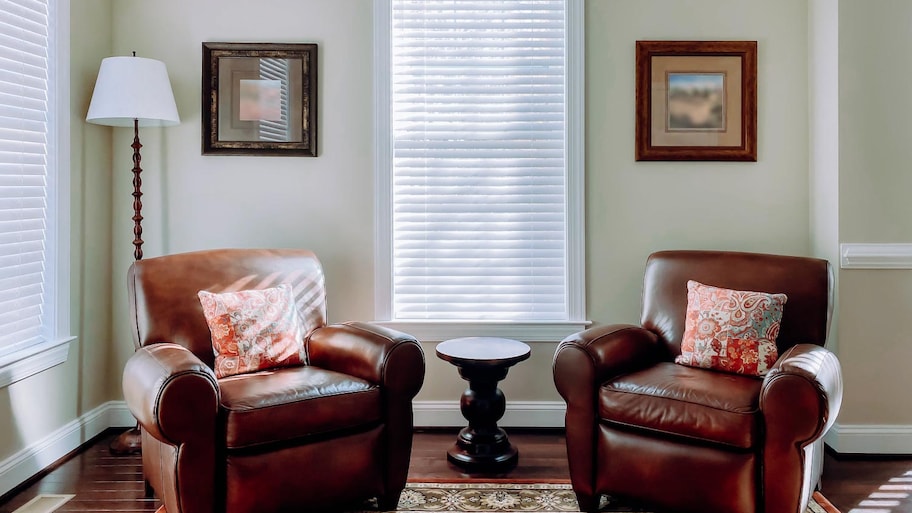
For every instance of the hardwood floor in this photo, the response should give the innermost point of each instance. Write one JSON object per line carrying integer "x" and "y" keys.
{"x": 106, "y": 483}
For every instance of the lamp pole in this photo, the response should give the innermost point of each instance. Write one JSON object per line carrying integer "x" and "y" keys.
{"x": 137, "y": 194}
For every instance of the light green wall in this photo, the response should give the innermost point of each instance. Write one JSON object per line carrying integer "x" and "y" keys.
{"x": 326, "y": 204}
{"x": 33, "y": 408}
{"x": 635, "y": 208}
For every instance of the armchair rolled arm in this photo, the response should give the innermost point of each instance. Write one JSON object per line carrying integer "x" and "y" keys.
{"x": 377, "y": 354}
{"x": 389, "y": 358}
{"x": 803, "y": 392}
{"x": 799, "y": 400}
{"x": 173, "y": 395}
{"x": 594, "y": 355}
{"x": 581, "y": 362}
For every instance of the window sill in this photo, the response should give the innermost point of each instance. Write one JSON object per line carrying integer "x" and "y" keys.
{"x": 437, "y": 331}
{"x": 32, "y": 360}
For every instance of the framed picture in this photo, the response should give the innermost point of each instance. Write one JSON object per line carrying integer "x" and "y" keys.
{"x": 696, "y": 100}
{"x": 259, "y": 99}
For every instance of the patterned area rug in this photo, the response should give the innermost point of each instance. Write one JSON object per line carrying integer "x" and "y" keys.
{"x": 511, "y": 498}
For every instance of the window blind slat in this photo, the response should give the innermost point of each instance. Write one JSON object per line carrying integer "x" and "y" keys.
{"x": 21, "y": 334}
{"x": 28, "y": 294}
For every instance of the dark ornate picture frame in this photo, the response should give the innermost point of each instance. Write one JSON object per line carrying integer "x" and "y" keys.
{"x": 696, "y": 100}
{"x": 259, "y": 99}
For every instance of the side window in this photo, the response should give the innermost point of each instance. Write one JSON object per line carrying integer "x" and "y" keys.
{"x": 34, "y": 147}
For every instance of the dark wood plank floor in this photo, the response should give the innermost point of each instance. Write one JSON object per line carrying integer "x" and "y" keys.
{"x": 106, "y": 483}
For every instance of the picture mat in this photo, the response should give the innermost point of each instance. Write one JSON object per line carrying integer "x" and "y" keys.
{"x": 662, "y": 65}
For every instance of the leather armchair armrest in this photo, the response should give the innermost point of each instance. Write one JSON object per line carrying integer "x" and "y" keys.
{"x": 594, "y": 355}
{"x": 803, "y": 390}
{"x": 377, "y": 354}
{"x": 581, "y": 363}
{"x": 173, "y": 395}
{"x": 389, "y": 358}
{"x": 799, "y": 400}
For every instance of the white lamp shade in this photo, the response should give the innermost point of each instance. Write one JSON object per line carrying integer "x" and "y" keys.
{"x": 132, "y": 88}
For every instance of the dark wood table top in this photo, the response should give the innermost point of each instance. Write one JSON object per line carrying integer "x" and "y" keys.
{"x": 483, "y": 351}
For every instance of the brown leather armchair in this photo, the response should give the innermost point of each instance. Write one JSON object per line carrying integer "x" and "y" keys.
{"x": 644, "y": 429}
{"x": 313, "y": 437}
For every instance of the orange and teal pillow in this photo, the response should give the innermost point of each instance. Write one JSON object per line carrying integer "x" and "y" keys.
{"x": 731, "y": 330}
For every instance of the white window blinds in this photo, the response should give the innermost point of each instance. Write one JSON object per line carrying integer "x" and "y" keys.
{"x": 24, "y": 160}
{"x": 479, "y": 160}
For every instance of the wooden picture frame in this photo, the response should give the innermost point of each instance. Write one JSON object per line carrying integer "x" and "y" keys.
{"x": 696, "y": 100}
{"x": 259, "y": 99}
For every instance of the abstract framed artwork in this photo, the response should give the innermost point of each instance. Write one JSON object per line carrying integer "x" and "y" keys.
{"x": 259, "y": 99}
{"x": 696, "y": 100}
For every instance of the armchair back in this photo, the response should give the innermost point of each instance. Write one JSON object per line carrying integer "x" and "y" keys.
{"x": 164, "y": 306}
{"x": 808, "y": 283}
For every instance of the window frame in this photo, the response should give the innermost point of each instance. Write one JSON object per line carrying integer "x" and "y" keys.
{"x": 54, "y": 347}
{"x": 430, "y": 330}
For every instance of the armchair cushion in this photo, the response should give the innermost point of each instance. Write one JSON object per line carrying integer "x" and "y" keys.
{"x": 674, "y": 400}
{"x": 295, "y": 403}
{"x": 731, "y": 330}
{"x": 254, "y": 330}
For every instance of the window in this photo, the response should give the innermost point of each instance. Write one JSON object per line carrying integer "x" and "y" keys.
{"x": 480, "y": 167}
{"x": 34, "y": 149}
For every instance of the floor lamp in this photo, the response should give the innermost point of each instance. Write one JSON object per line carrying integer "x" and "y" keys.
{"x": 133, "y": 91}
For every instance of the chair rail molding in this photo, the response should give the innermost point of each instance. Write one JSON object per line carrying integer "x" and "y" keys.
{"x": 875, "y": 255}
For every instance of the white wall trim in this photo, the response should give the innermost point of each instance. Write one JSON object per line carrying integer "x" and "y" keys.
{"x": 383, "y": 158}
{"x": 34, "y": 458}
{"x": 575, "y": 112}
{"x": 870, "y": 439}
{"x": 33, "y": 359}
{"x": 875, "y": 256}
{"x": 546, "y": 414}
{"x": 438, "y": 331}
{"x": 119, "y": 415}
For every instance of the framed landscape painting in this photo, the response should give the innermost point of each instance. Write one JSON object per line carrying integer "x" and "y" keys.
{"x": 696, "y": 100}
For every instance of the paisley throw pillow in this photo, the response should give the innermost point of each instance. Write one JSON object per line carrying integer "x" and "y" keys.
{"x": 254, "y": 330}
{"x": 731, "y": 330}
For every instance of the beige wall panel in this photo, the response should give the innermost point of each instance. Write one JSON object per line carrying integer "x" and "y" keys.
{"x": 873, "y": 349}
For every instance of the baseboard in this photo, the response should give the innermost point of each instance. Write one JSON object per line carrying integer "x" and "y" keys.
{"x": 31, "y": 460}
{"x": 533, "y": 414}
{"x": 870, "y": 439}
{"x": 120, "y": 415}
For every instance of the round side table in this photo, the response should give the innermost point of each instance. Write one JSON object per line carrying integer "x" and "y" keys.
{"x": 483, "y": 362}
